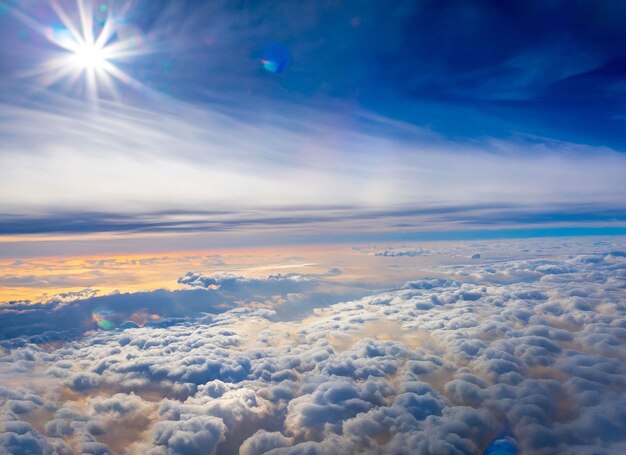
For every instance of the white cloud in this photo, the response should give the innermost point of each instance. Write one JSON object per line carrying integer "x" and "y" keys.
{"x": 180, "y": 157}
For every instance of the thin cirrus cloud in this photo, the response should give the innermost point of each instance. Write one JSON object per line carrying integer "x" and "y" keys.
{"x": 136, "y": 170}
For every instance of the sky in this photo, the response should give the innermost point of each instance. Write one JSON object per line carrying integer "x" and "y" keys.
{"x": 316, "y": 227}
{"x": 421, "y": 116}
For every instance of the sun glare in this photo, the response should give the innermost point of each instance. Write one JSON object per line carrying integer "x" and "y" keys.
{"x": 89, "y": 44}
{"x": 89, "y": 57}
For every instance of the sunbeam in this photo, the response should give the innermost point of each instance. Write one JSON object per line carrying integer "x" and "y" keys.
{"x": 87, "y": 52}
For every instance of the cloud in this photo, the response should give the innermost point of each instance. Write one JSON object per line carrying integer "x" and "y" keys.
{"x": 437, "y": 365}
{"x": 452, "y": 190}
{"x": 72, "y": 314}
{"x": 402, "y": 252}
{"x": 195, "y": 436}
{"x": 61, "y": 320}
{"x": 20, "y": 438}
{"x": 277, "y": 284}
{"x": 263, "y": 441}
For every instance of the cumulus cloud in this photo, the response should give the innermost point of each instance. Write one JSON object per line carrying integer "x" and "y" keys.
{"x": 436, "y": 365}
{"x": 72, "y": 314}
{"x": 264, "y": 441}
{"x": 197, "y": 435}
{"x": 61, "y": 319}
{"x": 277, "y": 284}
{"x": 398, "y": 252}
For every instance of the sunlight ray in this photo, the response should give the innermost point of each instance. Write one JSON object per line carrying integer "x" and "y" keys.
{"x": 90, "y": 51}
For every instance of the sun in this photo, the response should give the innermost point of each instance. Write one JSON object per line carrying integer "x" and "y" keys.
{"x": 86, "y": 51}
{"x": 89, "y": 58}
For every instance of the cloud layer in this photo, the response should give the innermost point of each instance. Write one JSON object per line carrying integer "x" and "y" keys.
{"x": 438, "y": 365}
{"x": 273, "y": 165}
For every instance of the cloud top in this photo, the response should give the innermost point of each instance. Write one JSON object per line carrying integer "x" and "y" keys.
{"x": 436, "y": 365}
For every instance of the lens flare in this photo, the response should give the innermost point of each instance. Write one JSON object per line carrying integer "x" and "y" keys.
{"x": 101, "y": 318}
{"x": 105, "y": 324}
{"x": 275, "y": 58}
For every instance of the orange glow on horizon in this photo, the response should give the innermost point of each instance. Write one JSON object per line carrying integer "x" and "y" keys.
{"x": 45, "y": 278}
{"x": 41, "y": 279}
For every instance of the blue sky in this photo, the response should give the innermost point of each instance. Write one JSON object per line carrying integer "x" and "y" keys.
{"x": 488, "y": 113}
